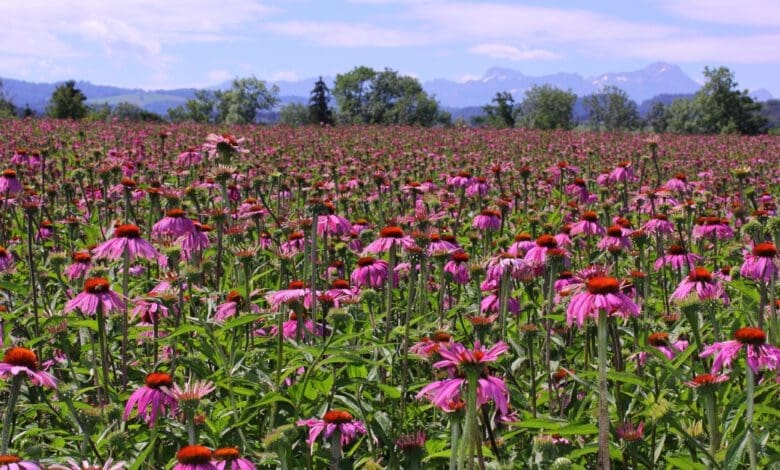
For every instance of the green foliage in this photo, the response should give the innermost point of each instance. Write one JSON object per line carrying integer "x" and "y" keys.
{"x": 67, "y": 102}
{"x": 295, "y": 114}
{"x": 238, "y": 105}
{"x": 319, "y": 109}
{"x": 718, "y": 108}
{"x": 547, "y": 107}
{"x": 612, "y": 109}
{"x": 771, "y": 112}
{"x": 658, "y": 119}
{"x": 365, "y": 96}
{"x": 502, "y": 113}
{"x": 7, "y": 108}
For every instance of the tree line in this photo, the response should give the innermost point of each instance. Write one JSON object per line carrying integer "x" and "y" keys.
{"x": 367, "y": 96}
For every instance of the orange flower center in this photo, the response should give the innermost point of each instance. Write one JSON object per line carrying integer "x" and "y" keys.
{"x": 21, "y": 357}
{"x": 700, "y": 274}
{"x": 96, "y": 285}
{"x": 765, "y": 250}
{"x": 441, "y": 337}
{"x": 750, "y": 335}
{"x": 460, "y": 257}
{"x": 82, "y": 257}
{"x": 603, "y": 285}
{"x": 340, "y": 284}
{"x": 295, "y": 285}
{"x": 233, "y": 296}
{"x": 490, "y": 213}
{"x": 127, "y": 231}
{"x": 522, "y": 237}
{"x": 194, "y": 455}
{"x": 365, "y": 261}
{"x": 9, "y": 173}
{"x": 226, "y": 453}
{"x": 337, "y": 416}
{"x": 9, "y": 459}
{"x": 677, "y": 250}
{"x": 295, "y": 236}
{"x": 705, "y": 379}
{"x": 175, "y": 213}
{"x": 156, "y": 380}
{"x": 658, "y": 339}
{"x": 391, "y": 231}
{"x": 590, "y": 216}
{"x": 546, "y": 241}
{"x": 615, "y": 231}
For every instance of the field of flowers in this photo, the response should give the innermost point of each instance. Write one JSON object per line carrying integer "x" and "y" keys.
{"x": 197, "y": 298}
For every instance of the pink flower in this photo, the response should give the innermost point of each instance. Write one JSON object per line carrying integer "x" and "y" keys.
{"x": 97, "y": 293}
{"x": 194, "y": 458}
{"x": 9, "y": 185}
{"x": 126, "y": 237}
{"x": 152, "y": 399}
{"x": 678, "y": 258}
{"x": 390, "y": 236}
{"x": 630, "y": 433}
{"x": 588, "y": 225}
{"x": 658, "y": 225}
{"x": 82, "y": 261}
{"x": 6, "y": 259}
{"x": 457, "y": 267}
{"x": 759, "y": 354}
{"x": 19, "y": 360}
{"x": 85, "y": 465}
{"x": 761, "y": 263}
{"x": 370, "y": 272}
{"x": 174, "y": 224}
{"x": 488, "y": 220}
{"x": 601, "y": 293}
{"x": 700, "y": 282}
{"x": 615, "y": 240}
{"x": 13, "y": 462}
{"x": 229, "y": 458}
{"x": 340, "y": 421}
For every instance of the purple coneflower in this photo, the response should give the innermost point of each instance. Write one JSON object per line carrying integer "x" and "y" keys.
{"x": 658, "y": 225}
{"x": 759, "y": 354}
{"x": 14, "y": 462}
{"x": 370, "y": 272}
{"x": 174, "y": 224}
{"x": 761, "y": 263}
{"x": 390, "y": 236}
{"x": 615, "y": 240}
{"x": 429, "y": 347}
{"x": 296, "y": 291}
{"x": 194, "y": 457}
{"x": 488, "y": 220}
{"x": 522, "y": 244}
{"x": 712, "y": 228}
{"x": 601, "y": 293}
{"x": 85, "y": 465}
{"x": 332, "y": 224}
{"x": 295, "y": 243}
{"x": 20, "y": 360}
{"x": 152, "y": 399}
{"x": 82, "y": 262}
{"x": 97, "y": 292}
{"x": 536, "y": 257}
{"x": 196, "y": 240}
{"x": 340, "y": 421}
{"x": 701, "y": 282}
{"x": 229, "y": 458}
{"x": 126, "y": 237}
{"x": 588, "y": 225}
{"x": 628, "y": 432}
{"x": 9, "y": 185}
{"x": 457, "y": 267}
{"x": 707, "y": 382}
{"x": 677, "y": 257}
{"x": 6, "y": 259}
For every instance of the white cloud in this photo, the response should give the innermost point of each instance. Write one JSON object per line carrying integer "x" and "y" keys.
{"x": 284, "y": 76}
{"x": 743, "y": 12}
{"x": 507, "y": 52}
{"x": 467, "y": 77}
{"x": 219, "y": 76}
{"x": 341, "y": 34}
{"x": 754, "y": 49}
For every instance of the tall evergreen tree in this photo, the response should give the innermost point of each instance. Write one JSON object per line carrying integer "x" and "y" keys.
{"x": 67, "y": 102}
{"x": 319, "y": 111}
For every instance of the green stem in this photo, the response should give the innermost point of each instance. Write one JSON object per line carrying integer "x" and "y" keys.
{"x": 603, "y": 454}
{"x": 750, "y": 387}
{"x": 454, "y": 440}
{"x": 103, "y": 349}
{"x": 335, "y": 450}
{"x": 712, "y": 422}
{"x": 389, "y": 293}
{"x": 405, "y": 346}
{"x": 8, "y": 419}
{"x": 125, "y": 320}
{"x": 468, "y": 447}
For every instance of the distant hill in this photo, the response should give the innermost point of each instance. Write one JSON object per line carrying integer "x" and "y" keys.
{"x": 656, "y": 82}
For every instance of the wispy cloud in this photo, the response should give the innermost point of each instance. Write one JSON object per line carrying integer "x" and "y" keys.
{"x": 743, "y": 12}
{"x": 342, "y": 34}
{"x": 507, "y": 52}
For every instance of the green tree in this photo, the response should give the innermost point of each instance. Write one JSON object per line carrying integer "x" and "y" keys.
{"x": 365, "y": 96}
{"x": 611, "y": 109}
{"x": 725, "y": 109}
{"x": 246, "y": 96}
{"x": 683, "y": 116}
{"x": 502, "y": 113}
{"x": 7, "y": 108}
{"x": 67, "y": 102}
{"x": 547, "y": 107}
{"x": 202, "y": 108}
{"x": 130, "y": 112}
{"x": 295, "y": 114}
{"x": 658, "y": 118}
{"x": 319, "y": 104}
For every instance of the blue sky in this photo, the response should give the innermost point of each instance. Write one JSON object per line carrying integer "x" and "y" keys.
{"x": 175, "y": 43}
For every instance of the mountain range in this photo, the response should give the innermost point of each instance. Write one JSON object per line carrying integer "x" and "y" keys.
{"x": 642, "y": 86}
